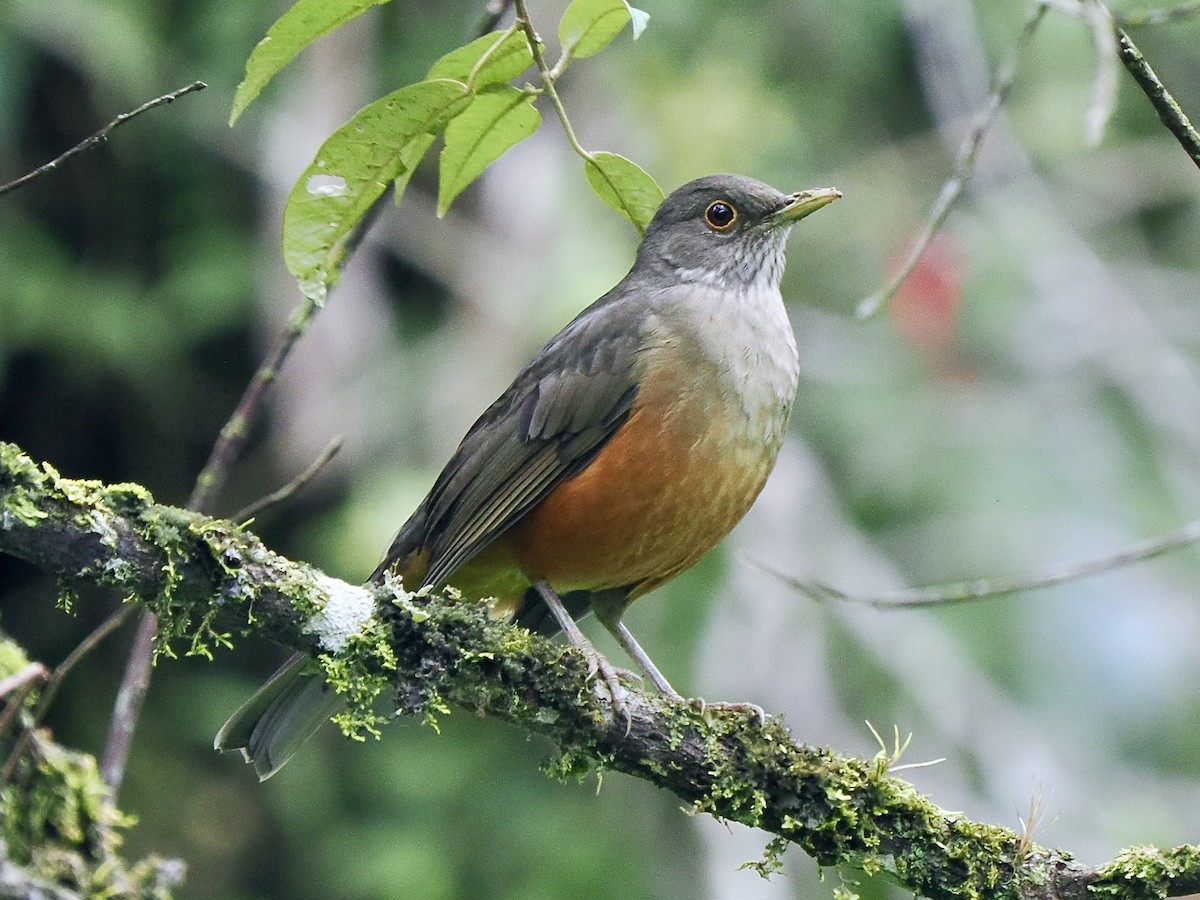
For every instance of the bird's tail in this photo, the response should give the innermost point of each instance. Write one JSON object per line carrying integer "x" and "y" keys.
{"x": 280, "y": 716}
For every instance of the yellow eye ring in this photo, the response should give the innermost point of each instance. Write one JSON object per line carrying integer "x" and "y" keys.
{"x": 721, "y": 215}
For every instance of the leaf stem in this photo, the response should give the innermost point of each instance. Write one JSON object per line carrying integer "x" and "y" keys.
{"x": 491, "y": 51}
{"x": 548, "y": 77}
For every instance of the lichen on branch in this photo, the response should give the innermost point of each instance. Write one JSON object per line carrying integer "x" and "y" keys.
{"x": 208, "y": 580}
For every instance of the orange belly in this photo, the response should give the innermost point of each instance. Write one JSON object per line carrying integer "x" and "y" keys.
{"x": 661, "y": 494}
{"x": 682, "y": 471}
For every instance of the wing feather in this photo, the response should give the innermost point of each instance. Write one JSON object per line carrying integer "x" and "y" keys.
{"x": 558, "y": 413}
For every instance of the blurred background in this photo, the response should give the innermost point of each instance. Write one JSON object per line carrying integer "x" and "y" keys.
{"x": 1031, "y": 399}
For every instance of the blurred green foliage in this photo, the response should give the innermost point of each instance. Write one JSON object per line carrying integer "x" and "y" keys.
{"x": 1030, "y": 399}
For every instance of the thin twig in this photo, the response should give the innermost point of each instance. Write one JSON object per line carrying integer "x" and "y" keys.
{"x": 227, "y": 448}
{"x": 1102, "y": 102}
{"x": 136, "y": 681}
{"x": 964, "y": 168}
{"x": 1158, "y": 16}
{"x": 101, "y": 135}
{"x": 19, "y": 684}
{"x": 1160, "y": 98}
{"x": 55, "y": 681}
{"x": 99, "y": 633}
{"x": 235, "y": 432}
{"x": 548, "y": 77}
{"x": 284, "y": 493}
{"x": 24, "y": 682}
{"x": 128, "y": 706}
{"x": 979, "y": 589}
{"x": 31, "y": 673}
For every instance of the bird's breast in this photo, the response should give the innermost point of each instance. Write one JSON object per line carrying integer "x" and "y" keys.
{"x": 716, "y": 383}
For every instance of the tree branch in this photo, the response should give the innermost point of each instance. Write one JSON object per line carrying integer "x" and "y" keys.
{"x": 1160, "y": 98}
{"x": 205, "y": 577}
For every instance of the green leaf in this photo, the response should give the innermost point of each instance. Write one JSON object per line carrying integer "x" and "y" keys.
{"x": 588, "y": 26}
{"x": 508, "y": 55}
{"x": 496, "y": 120}
{"x": 410, "y": 158}
{"x": 624, "y": 186}
{"x": 381, "y": 144}
{"x": 306, "y": 21}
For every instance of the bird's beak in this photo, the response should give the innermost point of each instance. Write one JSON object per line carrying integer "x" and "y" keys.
{"x": 801, "y": 203}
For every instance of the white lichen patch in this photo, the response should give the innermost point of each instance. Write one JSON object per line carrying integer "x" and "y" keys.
{"x": 100, "y": 526}
{"x": 347, "y": 610}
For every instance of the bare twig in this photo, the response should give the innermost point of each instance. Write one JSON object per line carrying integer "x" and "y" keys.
{"x": 99, "y": 633}
{"x": 19, "y": 684}
{"x": 979, "y": 589}
{"x": 964, "y": 168}
{"x": 285, "y": 492}
{"x": 101, "y": 135}
{"x": 1103, "y": 99}
{"x": 235, "y": 432}
{"x": 1160, "y": 98}
{"x": 23, "y": 678}
{"x": 212, "y": 478}
{"x": 130, "y": 697}
{"x": 55, "y": 681}
{"x": 136, "y": 680}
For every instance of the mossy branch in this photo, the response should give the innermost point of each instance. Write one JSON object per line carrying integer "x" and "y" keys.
{"x": 206, "y": 578}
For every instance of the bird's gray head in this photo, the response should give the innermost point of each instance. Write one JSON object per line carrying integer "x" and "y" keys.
{"x": 725, "y": 230}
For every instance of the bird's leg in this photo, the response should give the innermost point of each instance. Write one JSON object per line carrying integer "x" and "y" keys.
{"x": 608, "y": 609}
{"x": 596, "y": 662}
{"x": 625, "y": 638}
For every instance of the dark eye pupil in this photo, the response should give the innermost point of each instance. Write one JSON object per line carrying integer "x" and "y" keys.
{"x": 720, "y": 214}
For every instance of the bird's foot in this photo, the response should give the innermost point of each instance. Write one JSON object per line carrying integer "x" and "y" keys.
{"x": 596, "y": 663}
{"x": 611, "y": 676}
{"x": 738, "y": 708}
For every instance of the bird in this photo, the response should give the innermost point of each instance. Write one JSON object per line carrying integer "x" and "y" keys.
{"x": 623, "y": 452}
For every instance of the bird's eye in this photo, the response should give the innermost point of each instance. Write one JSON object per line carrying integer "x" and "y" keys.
{"x": 721, "y": 215}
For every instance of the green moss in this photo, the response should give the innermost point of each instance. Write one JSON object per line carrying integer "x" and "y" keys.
{"x": 772, "y": 859}
{"x": 1147, "y": 873}
{"x": 362, "y": 673}
{"x": 841, "y": 811}
{"x": 570, "y": 765}
{"x": 57, "y": 820}
{"x": 59, "y": 824}
{"x": 19, "y": 473}
{"x": 12, "y": 657}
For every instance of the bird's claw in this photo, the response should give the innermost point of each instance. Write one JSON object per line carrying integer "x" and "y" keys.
{"x": 753, "y": 708}
{"x": 598, "y": 665}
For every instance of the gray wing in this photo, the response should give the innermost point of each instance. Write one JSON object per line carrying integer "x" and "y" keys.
{"x": 560, "y": 410}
